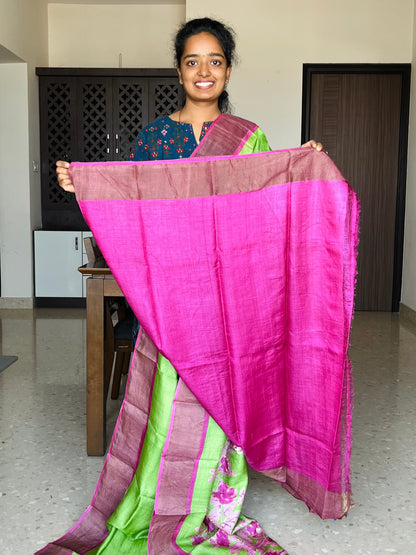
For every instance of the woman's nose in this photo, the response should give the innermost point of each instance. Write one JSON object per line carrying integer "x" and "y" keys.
{"x": 204, "y": 69}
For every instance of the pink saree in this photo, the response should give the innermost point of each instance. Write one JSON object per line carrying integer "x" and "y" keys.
{"x": 241, "y": 271}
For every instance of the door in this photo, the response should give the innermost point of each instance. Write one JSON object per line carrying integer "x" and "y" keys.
{"x": 360, "y": 114}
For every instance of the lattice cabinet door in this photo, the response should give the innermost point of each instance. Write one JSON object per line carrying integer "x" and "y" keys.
{"x": 95, "y": 119}
{"x": 58, "y": 123}
{"x": 165, "y": 96}
{"x": 130, "y": 113}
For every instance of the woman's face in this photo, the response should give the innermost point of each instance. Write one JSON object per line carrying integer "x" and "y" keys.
{"x": 203, "y": 70}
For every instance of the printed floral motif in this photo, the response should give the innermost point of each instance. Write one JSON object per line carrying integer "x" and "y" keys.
{"x": 224, "y": 494}
{"x": 225, "y": 515}
{"x": 239, "y": 542}
{"x": 254, "y": 530}
{"x": 224, "y": 526}
{"x": 237, "y": 449}
{"x": 220, "y": 539}
{"x": 224, "y": 467}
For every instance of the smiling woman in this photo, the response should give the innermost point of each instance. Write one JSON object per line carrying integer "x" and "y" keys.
{"x": 175, "y": 479}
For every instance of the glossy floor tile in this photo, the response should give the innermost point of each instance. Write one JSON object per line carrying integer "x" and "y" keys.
{"x": 47, "y": 480}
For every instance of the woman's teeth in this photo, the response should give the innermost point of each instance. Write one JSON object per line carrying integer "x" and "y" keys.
{"x": 204, "y": 84}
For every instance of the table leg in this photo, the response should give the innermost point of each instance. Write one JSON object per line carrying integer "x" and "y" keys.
{"x": 96, "y": 413}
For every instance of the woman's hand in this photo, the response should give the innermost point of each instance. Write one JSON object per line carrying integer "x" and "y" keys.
{"x": 317, "y": 146}
{"x": 63, "y": 176}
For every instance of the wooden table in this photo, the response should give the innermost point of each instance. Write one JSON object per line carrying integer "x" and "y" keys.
{"x": 100, "y": 284}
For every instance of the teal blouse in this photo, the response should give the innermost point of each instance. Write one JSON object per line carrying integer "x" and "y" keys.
{"x": 166, "y": 139}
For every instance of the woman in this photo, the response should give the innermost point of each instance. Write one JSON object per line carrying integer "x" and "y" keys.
{"x": 149, "y": 520}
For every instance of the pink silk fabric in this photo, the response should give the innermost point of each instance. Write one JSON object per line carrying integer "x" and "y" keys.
{"x": 241, "y": 270}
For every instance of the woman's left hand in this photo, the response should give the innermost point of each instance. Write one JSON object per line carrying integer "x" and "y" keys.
{"x": 313, "y": 144}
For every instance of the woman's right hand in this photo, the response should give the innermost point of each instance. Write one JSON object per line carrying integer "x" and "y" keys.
{"x": 63, "y": 176}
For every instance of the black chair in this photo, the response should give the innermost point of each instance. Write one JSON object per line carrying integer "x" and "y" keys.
{"x": 119, "y": 342}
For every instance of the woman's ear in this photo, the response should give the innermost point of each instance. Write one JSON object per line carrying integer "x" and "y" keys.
{"x": 180, "y": 76}
{"x": 228, "y": 73}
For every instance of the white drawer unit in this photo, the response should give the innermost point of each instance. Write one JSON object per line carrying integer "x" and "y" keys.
{"x": 58, "y": 254}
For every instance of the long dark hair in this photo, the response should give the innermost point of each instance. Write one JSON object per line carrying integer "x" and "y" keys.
{"x": 224, "y": 35}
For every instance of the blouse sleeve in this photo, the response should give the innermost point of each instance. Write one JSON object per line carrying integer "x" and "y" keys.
{"x": 256, "y": 142}
{"x": 261, "y": 143}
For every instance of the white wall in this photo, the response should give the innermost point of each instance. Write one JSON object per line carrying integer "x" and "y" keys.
{"x": 409, "y": 263}
{"x": 95, "y": 36}
{"x": 15, "y": 222}
{"x": 23, "y": 32}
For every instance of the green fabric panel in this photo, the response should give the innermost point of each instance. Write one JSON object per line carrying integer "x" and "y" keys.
{"x": 257, "y": 142}
{"x": 129, "y": 525}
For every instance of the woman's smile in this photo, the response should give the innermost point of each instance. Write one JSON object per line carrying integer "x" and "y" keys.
{"x": 204, "y": 84}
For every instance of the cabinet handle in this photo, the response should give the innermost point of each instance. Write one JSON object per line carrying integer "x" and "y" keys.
{"x": 117, "y": 144}
{"x": 76, "y": 243}
{"x": 108, "y": 143}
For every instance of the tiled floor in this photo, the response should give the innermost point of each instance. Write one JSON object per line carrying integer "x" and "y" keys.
{"x": 46, "y": 479}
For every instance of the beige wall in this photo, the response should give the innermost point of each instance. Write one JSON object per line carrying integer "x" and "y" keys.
{"x": 23, "y": 28}
{"x": 95, "y": 36}
{"x": 409, "y": 263}
{"x": 23, "y": 33}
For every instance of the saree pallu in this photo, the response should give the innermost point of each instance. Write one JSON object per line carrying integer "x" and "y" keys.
{"x": 241, "y": 270}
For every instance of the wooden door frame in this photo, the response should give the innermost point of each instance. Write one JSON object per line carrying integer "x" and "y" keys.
{"x": 385, "y": 69}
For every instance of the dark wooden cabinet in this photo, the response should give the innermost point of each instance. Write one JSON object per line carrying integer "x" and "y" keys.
{"x": 94, "y": 115}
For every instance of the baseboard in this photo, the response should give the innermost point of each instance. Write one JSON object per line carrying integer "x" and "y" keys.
{"x": 60, "y": 302}
{"x": 16, "y": 302}
{"x": 408, "y": 313}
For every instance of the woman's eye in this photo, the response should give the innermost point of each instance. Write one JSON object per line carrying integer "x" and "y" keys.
{"x": 191, "y": 63}
{"x": 216, "y": 62}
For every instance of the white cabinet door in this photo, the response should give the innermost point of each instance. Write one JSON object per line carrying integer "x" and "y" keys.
{"x": 58, "y": 254}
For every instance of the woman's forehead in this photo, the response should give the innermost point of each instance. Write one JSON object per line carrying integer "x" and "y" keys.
{"x": 202, "y": 43}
